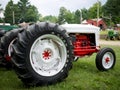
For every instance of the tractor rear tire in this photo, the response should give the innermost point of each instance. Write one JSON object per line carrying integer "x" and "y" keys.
{"x": 42, "y": 54}
{"x": 6, "y": 46}
{"x": 105, "y": 59}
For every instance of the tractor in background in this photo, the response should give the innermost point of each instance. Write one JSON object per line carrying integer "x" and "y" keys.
{"x": 113, "y": 35}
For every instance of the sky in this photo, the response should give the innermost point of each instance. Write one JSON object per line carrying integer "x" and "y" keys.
{"x": 51, "y": 7}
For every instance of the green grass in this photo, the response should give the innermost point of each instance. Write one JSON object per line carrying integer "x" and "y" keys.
{"x": 83, "y": 76}
{"x": 104, "y": 32}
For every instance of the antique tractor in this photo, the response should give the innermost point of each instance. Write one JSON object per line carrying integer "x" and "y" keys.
{"x": 42, "y": 53}
{"x": 113, "y": 35}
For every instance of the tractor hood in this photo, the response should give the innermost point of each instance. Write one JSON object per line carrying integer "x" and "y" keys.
{"x": 80, "y": 28}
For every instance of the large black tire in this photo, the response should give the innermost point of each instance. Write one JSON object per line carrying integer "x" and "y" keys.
{"x": 2, "y": 32}
{"x": 105, "y": 59}
{"x": 6, "y": 41}
{"x": 24, "y": 59}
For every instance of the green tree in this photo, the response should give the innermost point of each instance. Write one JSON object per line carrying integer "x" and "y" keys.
{"x": 61, "y": 17}
{"x": 32, "y": 14}
{"x": 17, "y": 13}
{"x": 1, "y": 9}
{"x": 65, "y": 16}
{"x": 23, "y": 12}
{"x": 69, "y": 16}
{"x": 92, "y": 11}
{"x": 29, "y": 13}
{"x": 84, "y": 14}
{"x": 80, "y": 15}
{"x": 23, "y": 5}
{"x": 9, "y": 12}
{"x": 77, "y": 16}
{"x": 112, "y": 10}
{"x": 50, "y": 18}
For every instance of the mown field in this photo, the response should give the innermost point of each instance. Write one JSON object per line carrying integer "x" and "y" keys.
{"x": 83, "y": 76}
{"x": 105, "y": 32}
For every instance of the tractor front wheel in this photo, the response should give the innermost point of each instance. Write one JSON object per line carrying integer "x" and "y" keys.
{"x": 105, "y": 59}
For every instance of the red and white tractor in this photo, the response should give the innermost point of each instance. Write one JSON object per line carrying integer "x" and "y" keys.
{"x": 43, "y": 53}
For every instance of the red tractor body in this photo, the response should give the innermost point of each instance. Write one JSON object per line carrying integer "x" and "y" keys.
{"x": 82, "y": 46}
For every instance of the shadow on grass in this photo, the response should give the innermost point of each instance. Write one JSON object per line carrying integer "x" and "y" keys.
{"x": 85, "y": 66}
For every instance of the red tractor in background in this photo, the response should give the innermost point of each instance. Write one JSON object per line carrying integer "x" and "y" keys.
{"x": 42, "y": 53}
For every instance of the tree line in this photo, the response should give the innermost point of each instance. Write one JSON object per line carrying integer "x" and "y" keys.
{"x": 23, "y": 11}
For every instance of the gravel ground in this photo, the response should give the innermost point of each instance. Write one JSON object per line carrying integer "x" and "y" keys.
{"x": 115, "y": 43}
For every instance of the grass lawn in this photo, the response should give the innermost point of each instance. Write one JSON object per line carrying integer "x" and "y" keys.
{"x": 83, "y": 76}
{"x": 104, "y": 32}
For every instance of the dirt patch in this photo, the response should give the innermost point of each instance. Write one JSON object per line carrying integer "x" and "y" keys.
{"x": 103, "y": 36}
{"x": 115, "y": 43}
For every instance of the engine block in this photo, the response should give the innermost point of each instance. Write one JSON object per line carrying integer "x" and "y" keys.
{"x": 84, "y": 44}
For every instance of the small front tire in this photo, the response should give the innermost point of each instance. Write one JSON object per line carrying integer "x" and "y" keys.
{"x": 105, "y": 59}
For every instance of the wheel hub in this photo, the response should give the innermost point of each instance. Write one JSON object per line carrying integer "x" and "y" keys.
{"x": 47, "y": 54}
{"x": 107, "y": 60}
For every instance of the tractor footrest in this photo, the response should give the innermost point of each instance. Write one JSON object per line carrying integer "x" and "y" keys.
{"x": 83, "y": 51}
